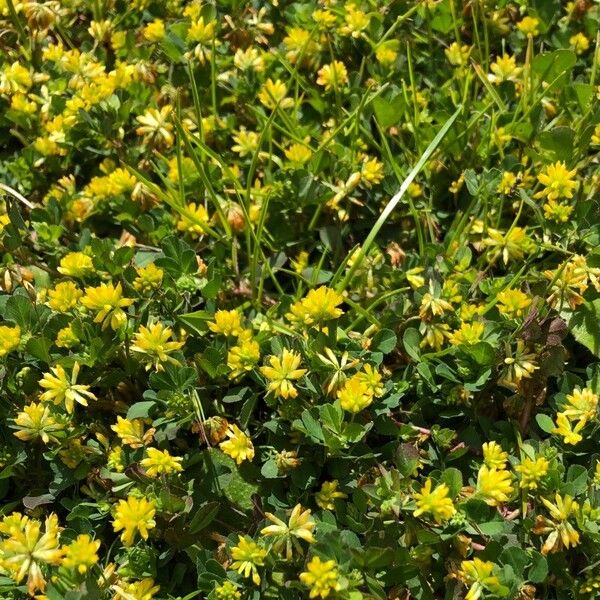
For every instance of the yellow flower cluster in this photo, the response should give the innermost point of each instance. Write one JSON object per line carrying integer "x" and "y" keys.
{"x": 579, "y": 407}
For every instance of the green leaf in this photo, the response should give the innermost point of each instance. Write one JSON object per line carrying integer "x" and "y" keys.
{"x": 516, "y": 557}
{"x": 453, "y": 479}
{"x": 544, "y": 422}
{"x": 550, "y": 67}
{"x": 214, "y": 360}
{"x": 411, "y": 340}
{"x": 211, "y": 289}
{"x": 140, "y": 410}
{"x": 310, "y": 426}
{"x": 584, "y": 92}
{"x": 237, "y": 394}
{"x": 173, "y": 378}
{"x": 577, "y": 479}
{"x": 558, "y": 142}
{"x": 203, "y": 517}
{"x": 40, "y": 348}
{"x": 584, "y": 324}
{"x": 179, "y": 258}
{"x": 332, "y": 416}
{"x": 384, "y": 341}
{"x": 19, "y": 310}
{"x": 443, "y": 19}
{"x": 481, "y": 352}
{"x": 196, "y": 321}
{"x": 388, "y": 112}
{"x": 407, "y": 459}
{"x": 539, "y": 568}
{"x": 270, "y": 470}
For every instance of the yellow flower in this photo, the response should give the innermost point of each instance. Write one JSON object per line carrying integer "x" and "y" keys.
{"x": 512, "y": 245}
{"x": 529, "y": 26}
{"x": 228, "y": 591}
{"x": 559, "y": 212}
{"x": 434, "y": 334}
{"x": 133, "y": 516}
{"x": 561, "y": 533}
{"x": 238, "y": 446}
{"x": 243, "y": 357}
{"x": 493, "y": 455}
{"x": 201, "y": 32}
{"x": 273, "y": 94}
{"x": 154, "y": 31}
{"x": 433, "y": 306}
{"x": 108, "y": 301}
{"x": 76, "y": 264}
{"x": 520, "y": 364}
{"x": 507, "y": 183}
{"x": 504, "y": 69}
{"x": 298, "y": 43}
{"x": 500, "y": 137}
{"x": 512, "y": 303}
{"x": 149, "y": 278}
{"x": 155, "y": 126}
{"x": 532, "y": 472}
{"x": 227, "y": 322}
{"x": 131, "y": 433}
{"x": 371, "y": 172}
{"x": 494, "y": 485}
{"x": 558, "y": 182}
{"x": 247, "y": 556}
{"x": 249, "y": 59}
{"x": 436, "y": 502}
{"x": 457, "y": 184}
{"x": 300, "y": 525}
{"x": 64, "y": 296}
{"x": 579, "y": 42}
{"x": 160, "y": 462}
{"x": 327, "y": 494}
{"x": 372, "y": 379}
{"x": 60, "y": 389}
{"x": 355, "y": 395}
{"x": 458, "y": 55}
{"x": 19, "y": 103}
{"x": 581, "y": 404}
{"x": 477, "y": 574}
{"x": 321, "y": 577}
{"x": 596, "y": 136}
{"x": 81, "y": 553}
{"x": 193, "y": 219}
{"x": 10, "y": 338}
{"x": 568, "y": 282}
{"x": 298, "y": 153}
{"x": 116, "y": 459}
{"x": 316, "y": 307}
{"x": 468, "y": 334}
{"x": 36, "y": 421}
{"x": 153, "y": 342}
{"x": 26, "y": 549}
{"x": 333, "y": 76}
{"x": 287, "y": 460}
{"x": 281, "y": 372}
{"x": 386, "y": 55}
{"x": 324, "y": 19}
{"x": 356, "y": 21}
{"x": 569, "y": 433}
{"x": 246, "y": 142}
{"x": 136, "y": 590}
{"x": 15, "y": 78}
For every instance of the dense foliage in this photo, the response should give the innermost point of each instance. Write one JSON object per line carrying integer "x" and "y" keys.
{"x": 299, "y": 299}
